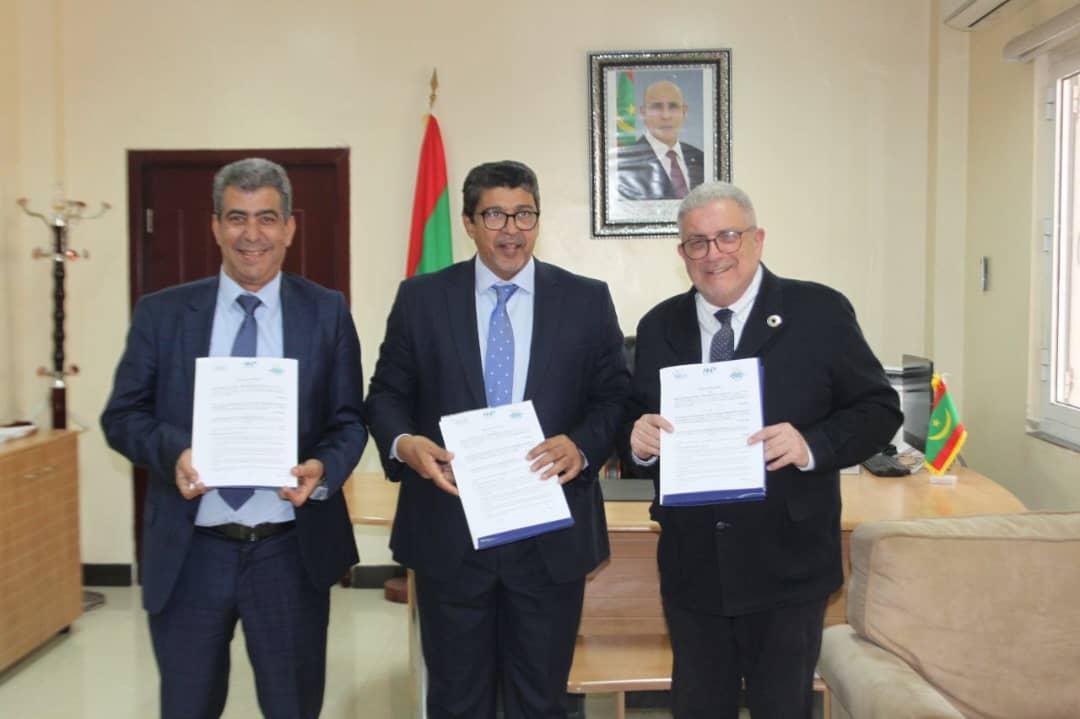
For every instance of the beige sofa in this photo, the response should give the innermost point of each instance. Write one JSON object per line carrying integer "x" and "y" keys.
{"x": 950, "y": 618}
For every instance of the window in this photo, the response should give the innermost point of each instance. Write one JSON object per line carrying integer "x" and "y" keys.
{"x": 1060, "y": 350}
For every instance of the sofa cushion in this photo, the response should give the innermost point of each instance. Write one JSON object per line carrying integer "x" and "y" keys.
{"x": 986, "y": 608}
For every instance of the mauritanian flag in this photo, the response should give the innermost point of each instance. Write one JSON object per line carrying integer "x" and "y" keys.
{"x": 430, "y": 246}
{"x": 947, "y": 433}
{"x": 626, "y": 115}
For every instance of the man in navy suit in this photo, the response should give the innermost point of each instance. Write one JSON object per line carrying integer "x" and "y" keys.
{"x": 744, "y": 585}
{"x": 659, "y": 166}
{"x": 506, "y": 615}
{"x": 213, "y": 556}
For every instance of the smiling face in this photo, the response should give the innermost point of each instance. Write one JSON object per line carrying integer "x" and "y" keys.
{"x": 504, "y": 251}
{"x": 721, "y": 277}
{"x": 664, "y": 111}
{"x": 253, "y": 235}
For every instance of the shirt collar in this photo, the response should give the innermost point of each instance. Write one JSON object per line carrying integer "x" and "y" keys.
{"x": 660, "y": 148}
{"x": 740, "y": 308}
{"x": 228, "y": 290}
{"x": 525, "y": 279}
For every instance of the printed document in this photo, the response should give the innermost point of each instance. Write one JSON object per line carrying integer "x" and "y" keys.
{"x": 714, "y": 408}
{"x": 503, "y": 499}
{"x": 244, "y": 428}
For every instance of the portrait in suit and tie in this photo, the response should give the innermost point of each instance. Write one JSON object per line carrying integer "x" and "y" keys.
{"x": 744, "y": 584}
{"x": 263, "y": 557}
{"x": 499, "y": 620}
{"x": 660, "y": 124}
{"x": 660, "y": 165}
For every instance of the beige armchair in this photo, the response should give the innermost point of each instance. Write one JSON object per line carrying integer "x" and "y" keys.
{"x": 960, "y": 618}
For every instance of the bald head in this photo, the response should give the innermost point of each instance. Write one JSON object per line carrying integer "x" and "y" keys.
{"x": 664, "y": 111}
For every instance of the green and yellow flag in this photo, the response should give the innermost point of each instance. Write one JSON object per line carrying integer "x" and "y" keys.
{"x": 430, "y": 243}
{"x": 947, "y": 433}
{"x": 626, "y": 121}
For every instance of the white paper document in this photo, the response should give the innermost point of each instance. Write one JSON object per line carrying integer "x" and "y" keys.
{"x": 503, "y": 499}
{"x": 714, "y": 408}
{"x": 244, "y": 428}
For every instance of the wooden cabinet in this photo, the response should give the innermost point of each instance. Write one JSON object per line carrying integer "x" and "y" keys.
{"x": 40, "y": 564}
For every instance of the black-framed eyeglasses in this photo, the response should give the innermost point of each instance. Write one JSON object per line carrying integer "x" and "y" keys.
{"x": 727, "y": 241}
{"x": 496, "y": 219}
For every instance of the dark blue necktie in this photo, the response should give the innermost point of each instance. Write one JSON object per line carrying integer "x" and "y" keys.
{"x": 723, "y": 342}
{"x": 243, "y": 346}
{"x": 499, "y": 355}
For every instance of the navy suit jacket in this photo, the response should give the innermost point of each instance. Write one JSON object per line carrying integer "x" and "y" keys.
{"x": 641, "y": 175}
{"x": 429, "y": 366}
{"x": 148, "y": 418}
{"x": 818, "y": 374}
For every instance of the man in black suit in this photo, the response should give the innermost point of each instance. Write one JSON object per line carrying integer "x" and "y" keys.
{"x": 659, "y": 166}
{"x": 745, "y": 584}
{"x": 508, "y": 614}
{"x": 267, "y": 557}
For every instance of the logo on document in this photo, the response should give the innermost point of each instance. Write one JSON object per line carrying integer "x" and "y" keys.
{"x": 737, "y": 375}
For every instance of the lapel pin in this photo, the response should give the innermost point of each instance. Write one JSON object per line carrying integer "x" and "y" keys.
{"x": 774, "y": 321}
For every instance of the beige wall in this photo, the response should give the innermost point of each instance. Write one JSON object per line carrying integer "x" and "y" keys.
{"x": 1003, "y": 223}
{"x": 849, "y": 129}
{"x": 8, "y": 160}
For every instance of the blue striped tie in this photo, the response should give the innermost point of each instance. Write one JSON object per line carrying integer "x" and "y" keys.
{"x": 499, "y": 355}
{"x": 243, "y": 346}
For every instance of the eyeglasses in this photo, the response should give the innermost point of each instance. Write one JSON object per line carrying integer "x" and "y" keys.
{"x": 727, "y": 241}
{"x": 496, "y": 219}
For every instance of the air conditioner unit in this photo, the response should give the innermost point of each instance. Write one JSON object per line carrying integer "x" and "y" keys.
{"x": 966, "y": 14}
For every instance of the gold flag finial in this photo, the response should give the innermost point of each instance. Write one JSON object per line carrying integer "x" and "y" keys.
{"x": 434, "y": 89}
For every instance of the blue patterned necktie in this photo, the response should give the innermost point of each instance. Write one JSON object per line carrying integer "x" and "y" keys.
{"x": 723, "y": 342}
{"x": 243, "y": 346}
{"x": 499, "y": 355}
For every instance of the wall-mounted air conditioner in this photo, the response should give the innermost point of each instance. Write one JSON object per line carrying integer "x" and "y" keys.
{"x": 966, "y": 14}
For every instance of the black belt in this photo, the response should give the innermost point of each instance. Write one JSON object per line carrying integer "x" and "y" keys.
{"x": 244, "y": 533}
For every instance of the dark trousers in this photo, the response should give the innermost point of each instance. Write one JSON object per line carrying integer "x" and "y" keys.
{"x": 774, "y": 651}
{"x": 502, "y": 622}
{"x": 263, "y": 585}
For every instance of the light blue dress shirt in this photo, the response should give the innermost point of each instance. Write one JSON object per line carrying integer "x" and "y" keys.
{"x": 264, "y": 505}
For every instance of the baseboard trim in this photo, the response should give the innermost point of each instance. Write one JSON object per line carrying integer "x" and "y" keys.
{"x": 106, "y": 575}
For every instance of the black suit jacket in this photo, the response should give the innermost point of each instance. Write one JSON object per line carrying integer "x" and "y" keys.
{"x": 429, "y": 366}
{"x": 819, "y": 375}
{"x": 641, "y": 175}
{"x": 148, "y": 418}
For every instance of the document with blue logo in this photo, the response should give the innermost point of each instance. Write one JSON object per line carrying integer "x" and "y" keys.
{"x": 244, "y": 426}
{"x": 714, "y": 407}
{"x": 504, "y": 500}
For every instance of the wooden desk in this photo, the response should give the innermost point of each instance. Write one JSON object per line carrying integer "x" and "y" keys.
{"x": 623, "y": 644}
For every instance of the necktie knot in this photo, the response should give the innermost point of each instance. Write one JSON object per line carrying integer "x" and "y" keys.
{"x": 723, "y": 317}
{"x": 503, "y": 293}
{"x": 249, "y": 303}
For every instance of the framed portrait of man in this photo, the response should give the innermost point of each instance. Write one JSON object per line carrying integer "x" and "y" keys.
{"x": 661, "y": 125}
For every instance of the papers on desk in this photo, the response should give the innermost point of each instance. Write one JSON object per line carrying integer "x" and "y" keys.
{"x": 244, "y": 427}
{"x": 503, "y": 499}
{"x": 714, "y": 408}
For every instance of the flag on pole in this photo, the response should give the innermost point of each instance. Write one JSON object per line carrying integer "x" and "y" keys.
{"x": 626, "y": 110}
{"x": 947, "y": 434}
{"x": 430, "y": 245}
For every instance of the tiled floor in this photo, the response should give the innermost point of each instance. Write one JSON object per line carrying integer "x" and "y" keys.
{"x": 104, "y": 668}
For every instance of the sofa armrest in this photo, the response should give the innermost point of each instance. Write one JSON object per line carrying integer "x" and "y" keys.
{"x": 869, "y": 682}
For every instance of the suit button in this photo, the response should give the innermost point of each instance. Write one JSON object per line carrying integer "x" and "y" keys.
{"x": 721, "y": 526}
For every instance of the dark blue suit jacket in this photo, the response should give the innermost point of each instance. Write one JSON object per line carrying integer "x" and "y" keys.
{"x": 148, "y": 418}
{"x": 429, "y": 366}
{"x": 818, "y": 374}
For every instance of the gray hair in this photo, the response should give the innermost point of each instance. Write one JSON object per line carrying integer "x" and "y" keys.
{"x": 710, "y": 192}
{"x": 252, "y": 174}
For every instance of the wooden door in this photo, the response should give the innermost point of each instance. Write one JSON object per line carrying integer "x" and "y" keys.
{"x": 170, "y": 208}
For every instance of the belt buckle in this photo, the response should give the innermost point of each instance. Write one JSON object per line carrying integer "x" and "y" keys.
{"x": 252, "y": 535}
